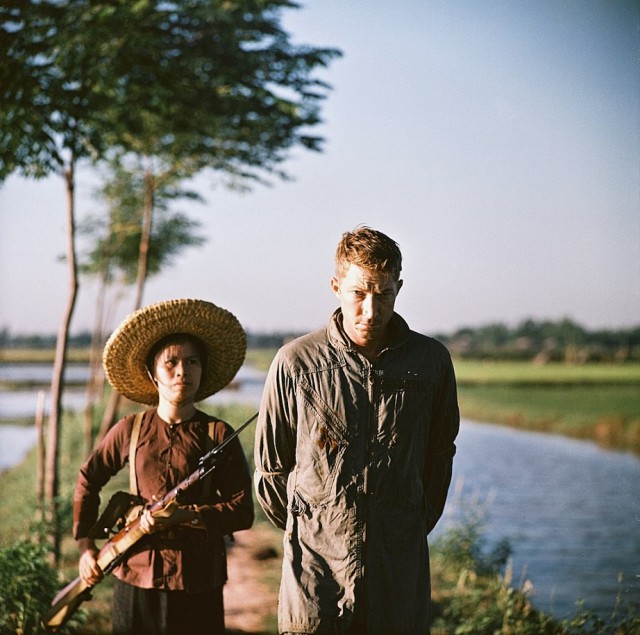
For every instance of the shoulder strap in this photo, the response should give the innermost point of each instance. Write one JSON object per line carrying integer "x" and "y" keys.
{"x": 135, "y": 433}
{"x": 206, "y": 487}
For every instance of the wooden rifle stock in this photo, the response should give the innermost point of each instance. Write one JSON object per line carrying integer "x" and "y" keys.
{"x": 69, "y": 599}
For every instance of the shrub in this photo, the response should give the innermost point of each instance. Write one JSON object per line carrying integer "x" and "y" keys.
{"x": 27, "y": 585}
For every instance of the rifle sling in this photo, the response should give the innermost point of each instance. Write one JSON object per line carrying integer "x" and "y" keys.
{"x": 135, "y": 433}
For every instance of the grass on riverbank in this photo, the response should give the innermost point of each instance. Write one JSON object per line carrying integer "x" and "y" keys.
{"x": 598, "y": 402}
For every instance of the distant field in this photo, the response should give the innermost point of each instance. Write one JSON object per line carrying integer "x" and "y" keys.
{"x": 478, "y": 372}
{"x": 260, "y": 358}
{"x": 591, "y": 401}
{"x": 40, "y": 355}
{"x": 600, "y": 402}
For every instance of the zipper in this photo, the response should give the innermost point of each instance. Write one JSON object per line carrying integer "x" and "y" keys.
{"x": 370, "y": 427}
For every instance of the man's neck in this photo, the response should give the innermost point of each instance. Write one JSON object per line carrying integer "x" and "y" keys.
{"x": 369, "y": 352}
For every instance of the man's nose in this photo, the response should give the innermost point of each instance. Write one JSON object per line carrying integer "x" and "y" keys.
{"x": 369, "y": 306}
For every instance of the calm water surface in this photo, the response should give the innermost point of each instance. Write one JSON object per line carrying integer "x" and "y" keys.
{"x": 569, "y": 509}
{"x": 15, "y": 442}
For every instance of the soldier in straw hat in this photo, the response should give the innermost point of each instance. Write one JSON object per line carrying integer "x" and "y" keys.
{"x": 169, "y": 356}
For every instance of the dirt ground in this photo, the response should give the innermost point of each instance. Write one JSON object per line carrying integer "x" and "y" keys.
{"x": 251, "y": 593}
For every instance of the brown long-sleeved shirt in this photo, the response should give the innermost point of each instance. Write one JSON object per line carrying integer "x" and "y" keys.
{"x": 182, "y": 558}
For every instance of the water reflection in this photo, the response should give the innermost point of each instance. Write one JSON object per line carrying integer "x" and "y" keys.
{"x": 15, "y": 442}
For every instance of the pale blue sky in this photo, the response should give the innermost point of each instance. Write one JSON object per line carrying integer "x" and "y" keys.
{"x": 497, "y": 141}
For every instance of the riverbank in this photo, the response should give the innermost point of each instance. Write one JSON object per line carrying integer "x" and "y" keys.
{"x": 598, "y": 402}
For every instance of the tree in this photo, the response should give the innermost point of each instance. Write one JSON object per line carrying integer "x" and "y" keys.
{"x": 189, "y": 85}
{"x": 113, "y": 252}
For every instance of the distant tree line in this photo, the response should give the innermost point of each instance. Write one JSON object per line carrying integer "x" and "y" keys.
{"x": 83, "y": 339}
{"x": 545, "y": 341}
{"x": 537, "y": 340}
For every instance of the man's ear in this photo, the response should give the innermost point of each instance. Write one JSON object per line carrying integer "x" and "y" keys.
{"x": 335, "y": 286}
{"x": 400, "y": 283}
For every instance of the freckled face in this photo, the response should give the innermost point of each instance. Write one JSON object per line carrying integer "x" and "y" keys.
{"x": 367, "y": 299}
{"x": 178, "y": 371}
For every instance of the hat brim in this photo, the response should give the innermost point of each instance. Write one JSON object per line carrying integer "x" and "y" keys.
{"x": 126, "y": 351}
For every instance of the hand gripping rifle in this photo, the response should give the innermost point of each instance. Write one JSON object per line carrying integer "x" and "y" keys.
{"x": 113, "y": 551}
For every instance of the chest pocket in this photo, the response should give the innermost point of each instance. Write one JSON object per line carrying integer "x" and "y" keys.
{"x": 321, "y": 444}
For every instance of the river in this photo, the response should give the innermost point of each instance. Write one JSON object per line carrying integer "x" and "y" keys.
{"x": 569, "y": 509}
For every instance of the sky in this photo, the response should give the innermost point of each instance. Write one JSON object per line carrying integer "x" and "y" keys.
{"x": 497, "y": 141}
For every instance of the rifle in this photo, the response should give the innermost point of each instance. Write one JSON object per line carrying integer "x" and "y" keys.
{"x": 113, "y": 551}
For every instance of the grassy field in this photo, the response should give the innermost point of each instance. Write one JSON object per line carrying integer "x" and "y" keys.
{"x": 40, "y": 355}
{"x": 600, "y": 402}
{"x": 508, "y": 373}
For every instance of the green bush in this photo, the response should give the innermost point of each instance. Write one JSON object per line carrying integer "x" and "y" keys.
{"x": 27, "y": 585}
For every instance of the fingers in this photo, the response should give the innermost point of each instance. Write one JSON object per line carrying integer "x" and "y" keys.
{"x": 160, "y": 520}
{"x": 89, "y": 569}
{"x": 150, "y": 523}
{"x": 147, "y": 522}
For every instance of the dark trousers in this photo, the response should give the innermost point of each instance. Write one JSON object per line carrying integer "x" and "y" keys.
{"x": 153, "y": 612}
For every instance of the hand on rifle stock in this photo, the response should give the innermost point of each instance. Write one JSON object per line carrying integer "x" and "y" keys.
{"x": 88, "y": 566}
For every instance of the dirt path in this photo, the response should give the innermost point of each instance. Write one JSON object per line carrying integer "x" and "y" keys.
{"x": 251, "y": 593}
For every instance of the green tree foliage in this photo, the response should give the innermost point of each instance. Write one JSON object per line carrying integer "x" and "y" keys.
{"x": 188, "y": 85}
{"x": 216, "y": 83}
{"x": 113, "y": 239}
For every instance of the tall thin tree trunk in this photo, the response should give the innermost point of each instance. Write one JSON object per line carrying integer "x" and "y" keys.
{"x": 57, "y": 383}
{"x": 95, "y": 377}
{"x": 111, "y": 409}
{"x": 40, "y": 454}
{"x": 145, "y": 235}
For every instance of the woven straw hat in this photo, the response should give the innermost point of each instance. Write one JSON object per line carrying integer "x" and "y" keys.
{"x": 126, "y": 351}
